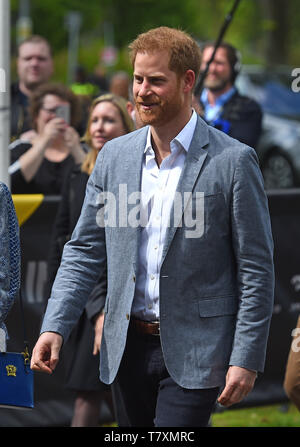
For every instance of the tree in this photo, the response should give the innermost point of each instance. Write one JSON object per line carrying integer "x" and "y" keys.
{"x": 265, "y": 31}
{"x": 276, "y": 31}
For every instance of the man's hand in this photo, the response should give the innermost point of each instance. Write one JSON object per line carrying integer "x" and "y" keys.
{"x": 45, "y": 354}
{"x": 239, "y": 382}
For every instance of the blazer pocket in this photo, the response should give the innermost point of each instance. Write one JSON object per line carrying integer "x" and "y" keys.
{"x": 215, "y": 307}
{"x": 216, "y": 210}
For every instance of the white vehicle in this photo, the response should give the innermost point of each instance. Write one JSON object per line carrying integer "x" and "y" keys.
{"x": 279, "y": 146}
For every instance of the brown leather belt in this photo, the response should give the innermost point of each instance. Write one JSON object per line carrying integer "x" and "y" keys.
{"x": 145, "y": 327}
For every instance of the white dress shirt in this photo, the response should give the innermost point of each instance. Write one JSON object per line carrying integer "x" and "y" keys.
{"x": 158, "y": 188}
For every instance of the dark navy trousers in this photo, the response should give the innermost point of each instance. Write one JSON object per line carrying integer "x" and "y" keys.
{"x": 149, "y": 396}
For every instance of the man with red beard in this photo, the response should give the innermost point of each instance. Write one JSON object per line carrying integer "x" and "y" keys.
{"x": 224, "y": 107}
{"x": 190, "y": 284}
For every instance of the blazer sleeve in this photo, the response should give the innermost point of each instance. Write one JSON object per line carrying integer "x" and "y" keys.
{"x": 253, "y": 248}
{"x": 83, "y": 262}
{"x": 9, "y": 254}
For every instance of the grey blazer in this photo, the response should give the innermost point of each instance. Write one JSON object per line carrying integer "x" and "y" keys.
{"x": 216, "y": 290}
{"x": 9, "y": 254}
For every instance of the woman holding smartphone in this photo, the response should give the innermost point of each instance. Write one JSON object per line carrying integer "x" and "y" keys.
{"x": 40, "y": 166}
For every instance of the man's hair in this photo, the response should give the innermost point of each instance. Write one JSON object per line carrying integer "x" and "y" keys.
{"x": 35, "y": 38}
{"x": 183, "y": 49}
{"x": 233, "y": 57}
{"x": 60, "y": 90}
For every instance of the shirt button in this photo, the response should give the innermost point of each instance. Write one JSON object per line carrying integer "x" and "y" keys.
{"x": 150, "y": 306}
{"x": 152, "y": 277}
{"x": 127, "y": 316}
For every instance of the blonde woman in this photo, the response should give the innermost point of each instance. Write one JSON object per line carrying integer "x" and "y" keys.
{"x": 108, "y": 119}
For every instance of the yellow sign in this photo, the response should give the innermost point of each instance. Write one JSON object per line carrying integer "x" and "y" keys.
{"x": 26, "y": 205}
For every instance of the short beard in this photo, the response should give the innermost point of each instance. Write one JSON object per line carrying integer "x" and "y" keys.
{"x": 147, "y": 117}
{"x": 216, "y": 86}
{"x": 165, "y": 113}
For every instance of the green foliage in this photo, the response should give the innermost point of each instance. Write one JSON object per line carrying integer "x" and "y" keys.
{"x": 285, "y": 415}
{"x": 265, "y": 416}
{"x": 202, "y": 18}
{"x": 49, "y": 17}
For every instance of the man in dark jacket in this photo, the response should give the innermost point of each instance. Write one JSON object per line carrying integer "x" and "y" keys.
{"x": 34, "y": 67}
{"x": 223, "y": 106}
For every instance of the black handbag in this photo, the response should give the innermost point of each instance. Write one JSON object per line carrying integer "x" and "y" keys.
{"x": 16, "y": 377}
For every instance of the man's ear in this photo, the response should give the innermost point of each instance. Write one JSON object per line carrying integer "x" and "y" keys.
{"x": 189, "y": 79}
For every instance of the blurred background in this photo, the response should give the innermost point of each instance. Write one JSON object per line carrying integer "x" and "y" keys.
{"x": 90, "y": 41}
{"x": 265, "y": 31}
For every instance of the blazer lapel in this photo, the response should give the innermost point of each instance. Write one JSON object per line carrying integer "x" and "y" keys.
{"x": 192, "y": 167}
{"x": 134, "y": 164}
{"x": 134, "y": 161}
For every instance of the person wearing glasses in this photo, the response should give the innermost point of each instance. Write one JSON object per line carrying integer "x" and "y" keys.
{"x": 39, "y": 166}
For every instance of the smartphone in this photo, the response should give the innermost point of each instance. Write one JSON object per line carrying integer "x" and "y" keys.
{"x": 64, "y": 112}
